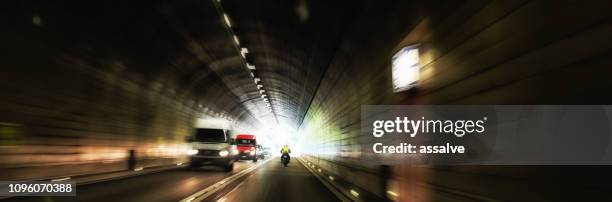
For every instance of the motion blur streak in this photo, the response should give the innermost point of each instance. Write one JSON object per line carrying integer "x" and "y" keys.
{"x": 107, "y": 87}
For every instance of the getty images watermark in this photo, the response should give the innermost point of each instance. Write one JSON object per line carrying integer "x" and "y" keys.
{"x": 412, "y": 127}
{"x": 490, "y": 135}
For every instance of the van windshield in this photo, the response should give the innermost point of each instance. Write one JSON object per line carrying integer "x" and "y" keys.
{"x": 210, "y": 135}
{"x": 245, "y": 142}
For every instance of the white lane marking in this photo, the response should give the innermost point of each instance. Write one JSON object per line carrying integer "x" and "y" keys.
{"x": 328, "y": 184}
{"x": 230, "y": 192}
{"x": 60, "y": 179}
{"x": 206, "y": 192}
{"x": 392, "y": 193}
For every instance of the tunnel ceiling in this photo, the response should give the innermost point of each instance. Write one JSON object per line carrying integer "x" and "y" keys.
{"x": 291, "y": 44}
{"x": 188, "y": 45}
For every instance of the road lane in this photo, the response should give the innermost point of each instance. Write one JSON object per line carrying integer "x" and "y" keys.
{"x": 273, "y": 182}
{"x": 172, "y": 185}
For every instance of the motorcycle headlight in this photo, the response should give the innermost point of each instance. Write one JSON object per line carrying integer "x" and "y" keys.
{"x": 252, "y": 152}
{"x": 223, "y": 153}
{"x": 192, "y": 152}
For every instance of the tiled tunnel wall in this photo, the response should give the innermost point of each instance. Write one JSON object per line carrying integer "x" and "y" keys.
{"x": 471, "y": 52}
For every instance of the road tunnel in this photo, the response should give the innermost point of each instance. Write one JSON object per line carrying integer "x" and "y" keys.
{"x": 104, "y": 94}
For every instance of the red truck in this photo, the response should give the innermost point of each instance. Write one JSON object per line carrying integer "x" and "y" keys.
{"x": 246, "y": 144}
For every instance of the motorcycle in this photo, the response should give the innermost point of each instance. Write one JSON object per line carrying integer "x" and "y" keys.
{"x": 285, "y": 159}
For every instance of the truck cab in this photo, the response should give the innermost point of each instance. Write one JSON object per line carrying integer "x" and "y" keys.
{"x": 246, "y": 144}
{"x": 210, "y": 146}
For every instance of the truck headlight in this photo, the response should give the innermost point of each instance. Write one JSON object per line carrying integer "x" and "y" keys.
{"x": 252, "y": 152}
{"x": 223, "y": 153}
{"x": 192, "y": 152}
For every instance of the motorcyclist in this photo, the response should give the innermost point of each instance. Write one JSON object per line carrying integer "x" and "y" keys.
{"x": 285, "y": 151}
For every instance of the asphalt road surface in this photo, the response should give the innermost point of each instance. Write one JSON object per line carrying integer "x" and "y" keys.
{"x": 172, "y": 185}
{"x": 273, "y": 182}
{"x": 270, "y": 182}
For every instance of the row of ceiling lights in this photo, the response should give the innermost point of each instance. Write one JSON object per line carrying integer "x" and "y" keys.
{"x": 243, "y": 52}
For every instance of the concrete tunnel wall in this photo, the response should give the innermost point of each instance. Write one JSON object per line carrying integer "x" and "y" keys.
{"x": 85, "y": 122}
{"x": 68, "y": 111}
{"x": 472, "y": 52}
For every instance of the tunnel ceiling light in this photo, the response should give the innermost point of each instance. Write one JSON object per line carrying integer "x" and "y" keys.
{"x": 243, "y": 52}
{"x": 236, "y": 40}
{"x": 36, "y": 20}
{"x": 354, "y": 193}
{"x": 405, "y": 68}
{"x": 227, "y": 20}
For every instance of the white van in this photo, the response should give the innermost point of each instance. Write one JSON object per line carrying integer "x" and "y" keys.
{"x": 211, "y": 146}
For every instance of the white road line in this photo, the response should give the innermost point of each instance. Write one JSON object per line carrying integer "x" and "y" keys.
{"x": 206, "y": 192}
{"x": 60, "y": 179}
{"x": 327, "y": 184}
{"x": 230, "y": 192}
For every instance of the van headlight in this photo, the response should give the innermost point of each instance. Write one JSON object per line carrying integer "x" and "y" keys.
{"x": 192, "y": 152}
{"x": 223, "y": 153}
{"x": 252, "y": 152}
